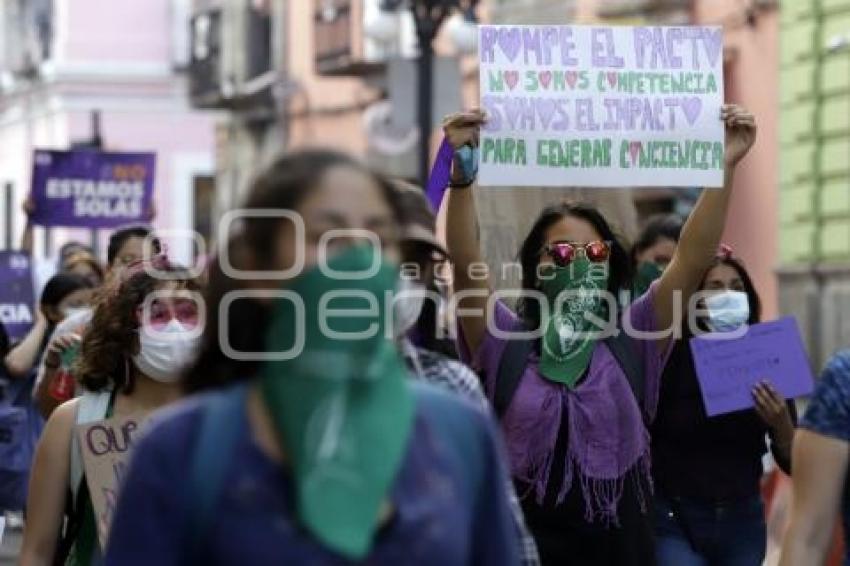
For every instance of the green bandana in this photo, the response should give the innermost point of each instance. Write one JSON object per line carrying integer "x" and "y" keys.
{"x": 647, "y": 272}
{"x": 342, "y": 409}
{"x": 568, "y": 341}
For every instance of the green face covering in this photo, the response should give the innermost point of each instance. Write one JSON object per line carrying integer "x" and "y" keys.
{"x": 568, "y": 340}
{"x": 341, "y": 409}
{"x": 647, "y": 272}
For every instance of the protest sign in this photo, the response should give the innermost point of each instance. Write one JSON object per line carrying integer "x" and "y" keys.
{"x": 106, "y": 447}
{"x": 728, "y": 370}
{"x": 601, "y": 106}
{"x": 17, "y": 302}
{"x": 91, "y": 189}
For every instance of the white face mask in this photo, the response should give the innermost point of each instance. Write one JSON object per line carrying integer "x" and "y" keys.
{"x": 727, "y": 311}
{"x": 164, "y": 354}
{"x": 407, "y": 306}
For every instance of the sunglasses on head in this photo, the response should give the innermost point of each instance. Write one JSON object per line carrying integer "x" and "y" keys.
{"x": 564, "y": 253}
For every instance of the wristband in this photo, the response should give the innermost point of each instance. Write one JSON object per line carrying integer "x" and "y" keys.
{"x": 465, "y": 184}
{"x": 467, "y": 157}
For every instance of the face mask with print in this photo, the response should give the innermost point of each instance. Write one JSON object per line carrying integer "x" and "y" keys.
{"x": 164, "y": 354}
{"x": 408, "y": 306}
{"x": 727, "y": 311}
{"x": 568, "y": 339}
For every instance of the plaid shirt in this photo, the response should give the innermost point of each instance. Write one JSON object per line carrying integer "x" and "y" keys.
{"x": 454, "y": 376}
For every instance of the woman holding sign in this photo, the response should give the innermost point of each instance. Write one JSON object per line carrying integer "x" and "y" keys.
{"x": 707, "y": 470}
{"x": 143, "y": 332}
{"x": 574, "y": 409}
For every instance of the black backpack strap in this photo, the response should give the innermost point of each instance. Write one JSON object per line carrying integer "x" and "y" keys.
{"x": 512, "y": 365}
{"x": 515, "y": 359}
{"x": 622, "y": 347}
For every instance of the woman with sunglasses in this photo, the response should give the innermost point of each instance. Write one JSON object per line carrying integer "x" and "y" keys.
{"x": 577, "y": 437}
{"x": 143, "y": 332}
{"x": 708, "y": 470}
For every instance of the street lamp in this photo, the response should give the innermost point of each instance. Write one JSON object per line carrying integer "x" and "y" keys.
{"x": 428, "y": 16}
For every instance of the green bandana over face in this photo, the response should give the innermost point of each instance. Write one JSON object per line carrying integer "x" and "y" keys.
{"x": 647, "y": 272}
{"x": 569, "y": 339}
{"x": 341, "y": 408}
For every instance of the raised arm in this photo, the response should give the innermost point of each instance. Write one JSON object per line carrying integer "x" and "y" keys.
{"x": 463, "y": 235}
{"x": 21, "y": 359}
{"x": 704, "y": 228}
{"x": 26, "y": 237}
{"x": 820, "y": 469}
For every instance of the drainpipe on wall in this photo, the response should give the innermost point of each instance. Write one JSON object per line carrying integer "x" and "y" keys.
{"x": 817, "y": 275}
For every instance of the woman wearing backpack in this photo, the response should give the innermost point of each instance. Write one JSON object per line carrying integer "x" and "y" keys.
{"x": 577, "y": 439}
{"x": 708, "y": 470}
{"x": 143, "y": 332}
{"x": 317, "y": 448}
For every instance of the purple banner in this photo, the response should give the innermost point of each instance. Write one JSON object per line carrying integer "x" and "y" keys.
{"x": 91, "y": 189}
{"x": 16, "y": 293}
{"x": 728, "y": 370}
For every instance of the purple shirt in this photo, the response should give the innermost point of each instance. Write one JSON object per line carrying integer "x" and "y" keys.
{"x": 441, "y": 516}
{"x": 607, "y": 434}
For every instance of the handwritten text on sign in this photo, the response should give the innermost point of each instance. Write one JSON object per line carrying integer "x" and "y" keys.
{"x": 106, "y": 446}
{"x": 728, "y": 370}
{"x": 601, "y": 106}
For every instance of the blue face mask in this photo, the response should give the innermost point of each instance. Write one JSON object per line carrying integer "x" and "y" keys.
{"x": 727, "y": 311}
{"x": 467, "y": 157}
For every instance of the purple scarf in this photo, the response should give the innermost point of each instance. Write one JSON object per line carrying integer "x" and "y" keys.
{"x": 608, "y": 442}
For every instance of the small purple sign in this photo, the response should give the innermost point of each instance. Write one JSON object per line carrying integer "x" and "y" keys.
{"x": 91, "y": 189}
{"x": 728, "y": 370}
{"x": 16, "y": 293}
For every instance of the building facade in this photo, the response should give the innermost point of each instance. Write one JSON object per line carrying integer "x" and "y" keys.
{"x": 61, "y": 61}
{"x": 814, "y": 220}
{"x": 340, "y": 87}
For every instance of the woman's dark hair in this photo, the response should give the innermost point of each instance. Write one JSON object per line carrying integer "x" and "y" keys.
{"x": 60, "y": 286}
{"x": 120, "y": 237}
{"x": 660, "y": 226}
{"x": 283, "y": 186}
{"x": 749, "y": 288}
{"x": 111, "y": 337}
{"x": 620, "y": 272}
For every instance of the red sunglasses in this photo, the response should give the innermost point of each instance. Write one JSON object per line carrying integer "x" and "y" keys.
{"x": 563, "y": 253}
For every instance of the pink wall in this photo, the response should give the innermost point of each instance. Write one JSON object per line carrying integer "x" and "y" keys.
{"x": 135, "y": 30}
{"x": 753, "y": 63}
{"x": 115, "y": 56}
